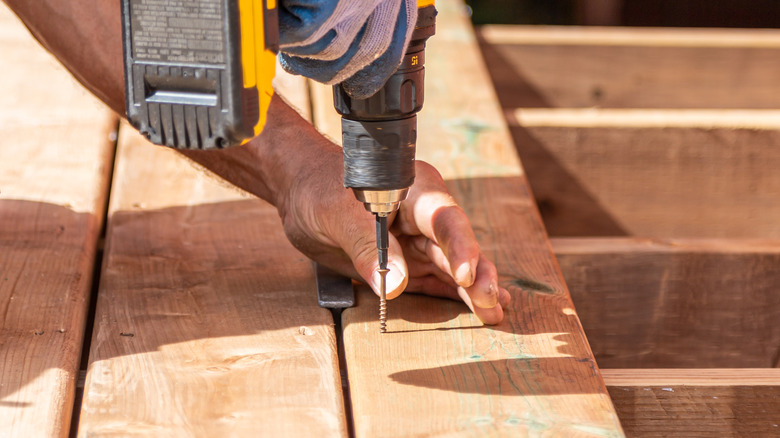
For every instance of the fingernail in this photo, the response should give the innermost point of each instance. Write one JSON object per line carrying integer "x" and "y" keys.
{"x": 464, "y": 274}
{"x": 395, "y": 280}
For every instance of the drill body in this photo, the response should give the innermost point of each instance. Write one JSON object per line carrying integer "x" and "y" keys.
{"x": 379, "y": 138}
{"x": 379, "y": 134}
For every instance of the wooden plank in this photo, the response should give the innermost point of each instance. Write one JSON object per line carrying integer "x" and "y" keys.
{"x": 207, "y": 321}
{"x": 766, "y": 119}
{"x": 669, "y": 167}
{"x": 697, "y": 402}
{"x": 438, "y": 371}
{"x": 654, "y": 182}
{"x": 710, "y": 377}
{"x": 55, "y": 156}
{"x": 629, "y": 36}
{"x": 676, "y": 303}
{"x": 633, "y": 68}
{"x": 294, "y": 90}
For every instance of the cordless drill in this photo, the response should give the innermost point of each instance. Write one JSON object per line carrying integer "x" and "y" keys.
{"x": 198, "y": 75}
{"x": 379, "y": 137}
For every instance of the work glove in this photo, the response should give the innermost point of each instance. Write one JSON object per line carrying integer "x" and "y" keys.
{"x": 358, "y": 42}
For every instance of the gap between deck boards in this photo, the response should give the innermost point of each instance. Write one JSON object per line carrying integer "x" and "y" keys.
{"x": 97, "y": 267}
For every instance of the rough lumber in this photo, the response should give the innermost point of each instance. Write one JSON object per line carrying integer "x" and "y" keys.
{"x": 645, "y": 132}
{"x": 439, "y": 372}
{"x": 708, "y": 303}
{"x": 696, "y": 402}
{"x": 207, "y": 321}
{"x": 757, "y": 119}
{"x": 55, "y": 157}
{"x": 633, "y": 68}
{"x": 682, "y": 181}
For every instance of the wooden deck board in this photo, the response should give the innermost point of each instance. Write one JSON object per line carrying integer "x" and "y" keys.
{"x": 207, "y": 320}
{"x": 439, "y": 371}
{"x": 55, "y": 157}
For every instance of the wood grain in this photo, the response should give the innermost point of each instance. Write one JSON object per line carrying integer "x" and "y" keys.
{"x": 55, "y": 157}
{"x": 644, "y": 303}
{"x": 621, "y": 118}
{"x": 644, "y": 132}
{"x": 654, "y": 182}
{"x": 695, "y": 402}
{"x": 633, "y": 68}
{"x": 207, "y": 321}
{"x": 439, "y": 372}
{"x": 710, "y": 377}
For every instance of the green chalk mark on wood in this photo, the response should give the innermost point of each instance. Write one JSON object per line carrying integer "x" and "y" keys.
{"x": 513, "y": 421}
{"x": 483, "y": 421}
{"x": 465, "y": 154}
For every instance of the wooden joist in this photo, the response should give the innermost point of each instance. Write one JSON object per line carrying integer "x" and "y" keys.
{"x": 696, "y": 402}
{"x": 705, "y": 307}
{"x": 676, "y": 303}
{"x": 55, "y": 159}
{"x": 207, "y": 320}
{"x": 644, "y": 132}
{"x": 438, "y": 371}
{"x": 650, "y": 181}
{"x": 633, "y": 67}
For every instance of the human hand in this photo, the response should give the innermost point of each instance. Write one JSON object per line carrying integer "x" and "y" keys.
{"x": 432, "y": 248}
{"x": 357, "y": 42}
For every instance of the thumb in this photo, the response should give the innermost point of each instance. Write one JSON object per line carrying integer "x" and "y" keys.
{"x": 364, "y": 255}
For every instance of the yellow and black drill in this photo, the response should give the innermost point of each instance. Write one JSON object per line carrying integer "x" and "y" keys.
{"x": 198, "y": 76}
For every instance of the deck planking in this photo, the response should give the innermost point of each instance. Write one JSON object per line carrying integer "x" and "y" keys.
{"x": 439, "y": 371}
{"x": 207, "y": 321}
{"x": 56, "y": 150}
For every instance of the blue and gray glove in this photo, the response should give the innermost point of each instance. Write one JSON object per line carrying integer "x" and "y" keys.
{"x": 358, "y": 42}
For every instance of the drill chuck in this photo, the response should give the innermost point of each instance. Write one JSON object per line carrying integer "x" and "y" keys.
{"x": 381, "y": 202}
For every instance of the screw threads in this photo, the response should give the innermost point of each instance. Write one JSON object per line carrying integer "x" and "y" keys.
{"x": 382, "y": 315}
{"x": 383, "y": 300}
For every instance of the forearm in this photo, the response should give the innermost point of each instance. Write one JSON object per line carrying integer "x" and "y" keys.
{"x": 85, "y": 35}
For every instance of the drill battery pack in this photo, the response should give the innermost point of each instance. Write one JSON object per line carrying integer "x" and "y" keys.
{"x": 198, "y": 73}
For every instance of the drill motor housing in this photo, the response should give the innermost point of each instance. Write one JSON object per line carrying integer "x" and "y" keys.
{"x": 379, "y": 133}
{"x": 198, "y": 72}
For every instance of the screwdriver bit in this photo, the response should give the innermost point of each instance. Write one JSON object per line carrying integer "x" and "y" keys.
{"x": 381, "y": 245}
